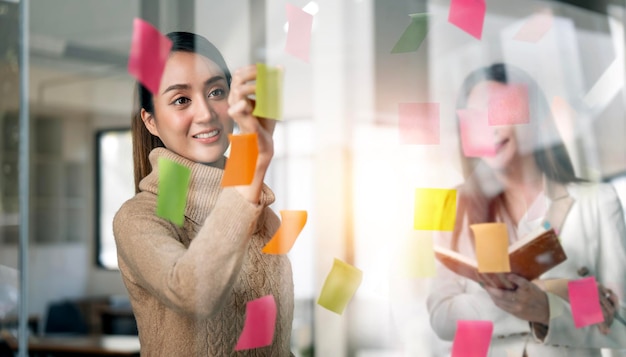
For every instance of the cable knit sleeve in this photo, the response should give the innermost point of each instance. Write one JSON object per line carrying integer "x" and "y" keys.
{"x": 193, "y": 280}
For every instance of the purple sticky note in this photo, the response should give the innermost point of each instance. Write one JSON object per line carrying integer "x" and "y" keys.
{"x": 536, "y": 27}
{"x": 477, "y": 137}
{"x": 258, "y": 329}
{"x": 148, "y": 53}
{"x": 508, "y": 105}
{"x": 299, "y": 33}
{"x": 468, "y": 15}
{"x": 419, "y": 123}
{"x": 585, "y": 302}
{"x": 472, "y": 338}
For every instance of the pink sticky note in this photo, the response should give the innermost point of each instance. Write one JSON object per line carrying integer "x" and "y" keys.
{"x": 299, "y": 32}
{"x": 536, "y": 27}
{"x": 148, "y": 53}
{"x": 258, "y": 329}
{"x": 419, "y": 123}
{"x": 477, "y": 138}
{"x": 468, "y": 15}
{"x": 508, "y": 105}
{"x": 472, "y": 338}
{"x": 585, "y": 302}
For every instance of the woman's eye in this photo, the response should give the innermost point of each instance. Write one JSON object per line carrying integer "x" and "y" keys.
{"x": 181, "y": 100}
{"x": 217, "y": 93}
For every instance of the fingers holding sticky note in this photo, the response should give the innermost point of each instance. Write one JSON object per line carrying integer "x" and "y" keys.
{"x": 241, "y": 164}
{"x": 269, "y": 92}
{"x": 435, "y": 209}
{"x": 340, "y": 286}
{"x": 492, "y": 247}
{"x": 585, "y": 302}
{"x": 292, "y": 224}
{"x": 172, "y": 190}
{"x": 148, "y": 53}
{"x": 260, "y": 323}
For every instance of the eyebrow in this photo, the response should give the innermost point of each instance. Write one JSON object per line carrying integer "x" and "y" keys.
{"x": 207, "y": 83}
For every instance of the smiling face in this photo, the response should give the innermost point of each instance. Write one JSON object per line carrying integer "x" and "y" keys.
{"x": 191, "y": 109}
{"x": 512, "y": 142}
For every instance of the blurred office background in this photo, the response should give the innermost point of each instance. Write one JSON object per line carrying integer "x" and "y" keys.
{"x": 338, "y": 153}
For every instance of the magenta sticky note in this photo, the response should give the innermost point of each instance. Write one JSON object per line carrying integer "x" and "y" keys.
{"x": 585, "y": 302}
{"x": 148, "y": 53}
{"x": 477, "y": 137}
{"x": 468, "y": 15}
{"x": 472, "y": 338}
{"x": 535, "y": 27}
{"x": 299, "y": 33}
{"x": 258, "y": 328}
{"x": 419, "y": 123}
{"x": 508, "y": 105}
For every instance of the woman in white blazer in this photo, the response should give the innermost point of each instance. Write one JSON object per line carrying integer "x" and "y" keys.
{"x": 527, "y": 181}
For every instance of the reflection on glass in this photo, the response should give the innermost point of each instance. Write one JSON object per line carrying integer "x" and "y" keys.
{"x": 115, "y": 185}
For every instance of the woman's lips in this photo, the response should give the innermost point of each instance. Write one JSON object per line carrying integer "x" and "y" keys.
{"x": 208, "y": 137}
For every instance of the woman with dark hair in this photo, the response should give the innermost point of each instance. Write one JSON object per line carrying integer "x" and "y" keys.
{"x": 189, "y": 285}
{"x": 527, "y": 180}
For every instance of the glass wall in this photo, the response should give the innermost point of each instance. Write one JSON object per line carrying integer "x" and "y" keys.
{"x": 340, "y": 151}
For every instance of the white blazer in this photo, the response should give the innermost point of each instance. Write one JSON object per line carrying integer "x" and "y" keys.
{"x": 593, "y": 235}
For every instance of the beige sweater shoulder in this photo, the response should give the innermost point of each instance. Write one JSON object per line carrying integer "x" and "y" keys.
{"x": 189, "y": 285}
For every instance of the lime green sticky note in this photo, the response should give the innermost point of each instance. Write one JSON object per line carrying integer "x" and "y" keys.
{"x": 172, "y": 190}
{"x": 435, "y": 209}
{"x": 269, "y": 92}
{"x": 339, "y": 287}
{"x": 419, "y": 256}
{"x": 414, "y": 34}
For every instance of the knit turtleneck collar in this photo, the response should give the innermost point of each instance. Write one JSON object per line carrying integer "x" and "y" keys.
{"x": 204, "y": 184}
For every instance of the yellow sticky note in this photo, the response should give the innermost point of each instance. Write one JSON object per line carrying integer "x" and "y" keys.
{"x": 435, "y": 209}
{"x": 269, "y": 92}
{"x": 290, "y": 227}
{"x": 340, "y": 285}
{"x": 418, "y": 260}
{"x": 240, "y": 166}
{"x": 492, "y": 247}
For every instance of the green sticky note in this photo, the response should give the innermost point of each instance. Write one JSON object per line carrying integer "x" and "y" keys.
{"x": 339, "y": 287}
{"x": 269, "y": 92}
{"x": 414, "y": 34}
{"x": 172, "y": 190}
{"x": 435, "y": 209}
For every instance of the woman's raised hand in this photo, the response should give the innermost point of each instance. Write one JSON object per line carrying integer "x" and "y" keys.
{"x": 241, "y": 107}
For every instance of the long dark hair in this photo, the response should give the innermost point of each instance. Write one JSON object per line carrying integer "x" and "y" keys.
{"x": 143, "y": 140}
{"x": 549, "y": 152}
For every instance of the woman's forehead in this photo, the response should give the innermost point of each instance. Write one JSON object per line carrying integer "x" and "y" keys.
{"x": 189, "y": 67}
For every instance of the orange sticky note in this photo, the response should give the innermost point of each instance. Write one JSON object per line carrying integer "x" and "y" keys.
{"x": 148, "y": 53}
{"x": 492, "y": 247}
{"x": 435, "y": 209}
{"x": 340, "y": 286}
{"x": 290, "y": 227}
{"x": 260, "y": 323}
{"x": 419, "y": 257}
{"x": 536, "y": 27}
{"x": 241, "y": 164}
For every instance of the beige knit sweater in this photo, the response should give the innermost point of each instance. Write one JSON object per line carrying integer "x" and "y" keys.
{"x": 189, "y": 285}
